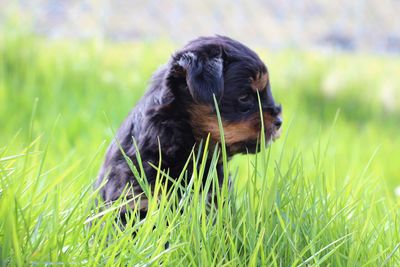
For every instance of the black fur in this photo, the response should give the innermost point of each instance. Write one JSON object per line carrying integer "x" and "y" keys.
{"x": 206, "y": 66}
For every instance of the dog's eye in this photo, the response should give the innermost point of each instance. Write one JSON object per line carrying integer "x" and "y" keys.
{"x": 246, "y": 98}
{"x": 246, "y": 102}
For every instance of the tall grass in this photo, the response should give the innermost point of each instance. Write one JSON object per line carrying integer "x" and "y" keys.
{"x": 321, "y": 195}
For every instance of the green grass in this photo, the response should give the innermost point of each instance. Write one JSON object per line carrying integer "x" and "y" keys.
{"x": 323, "y": 194}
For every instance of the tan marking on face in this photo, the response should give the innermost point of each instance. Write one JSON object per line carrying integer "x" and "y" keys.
{"x": 241, "y": 131}
{"x": 203, "y": 121}
{"x": 260, "y": 82}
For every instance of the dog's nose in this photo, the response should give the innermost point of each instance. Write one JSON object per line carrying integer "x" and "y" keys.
{"x": 278, "y": 122}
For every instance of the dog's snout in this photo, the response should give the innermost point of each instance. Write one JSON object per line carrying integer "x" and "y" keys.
{"x": 277, "y": 110}
{"x": 278, "y": 122}
{"x": 274, "y": 110}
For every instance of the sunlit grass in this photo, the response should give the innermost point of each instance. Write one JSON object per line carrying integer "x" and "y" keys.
{"x": 322, "y": 194}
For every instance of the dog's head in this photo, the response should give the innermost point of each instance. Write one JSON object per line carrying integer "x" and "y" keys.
{"x": 237, "y": 77}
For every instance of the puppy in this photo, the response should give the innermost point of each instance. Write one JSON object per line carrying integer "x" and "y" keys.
{"x": 178, "y": 112}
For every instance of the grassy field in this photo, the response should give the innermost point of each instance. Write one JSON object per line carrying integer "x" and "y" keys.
{"x": 322, "y": 195}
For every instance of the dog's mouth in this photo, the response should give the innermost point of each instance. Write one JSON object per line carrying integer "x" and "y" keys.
{"x": 274, "y": 130}
{"x": 272, "y": 133}
{"x": 276, "y": 134}
{"x": 253, "y": 145}
{"x": 271, "y": 137}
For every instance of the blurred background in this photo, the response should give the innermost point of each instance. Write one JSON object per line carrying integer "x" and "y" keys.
{"x": 360, "y": 25}
{"x": 335, "y": 68}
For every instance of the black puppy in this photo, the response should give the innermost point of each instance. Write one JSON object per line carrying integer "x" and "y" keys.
{"x": 178, "y": 112}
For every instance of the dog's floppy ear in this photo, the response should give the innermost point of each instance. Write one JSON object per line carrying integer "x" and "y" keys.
{"x": 204, "y": 76}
